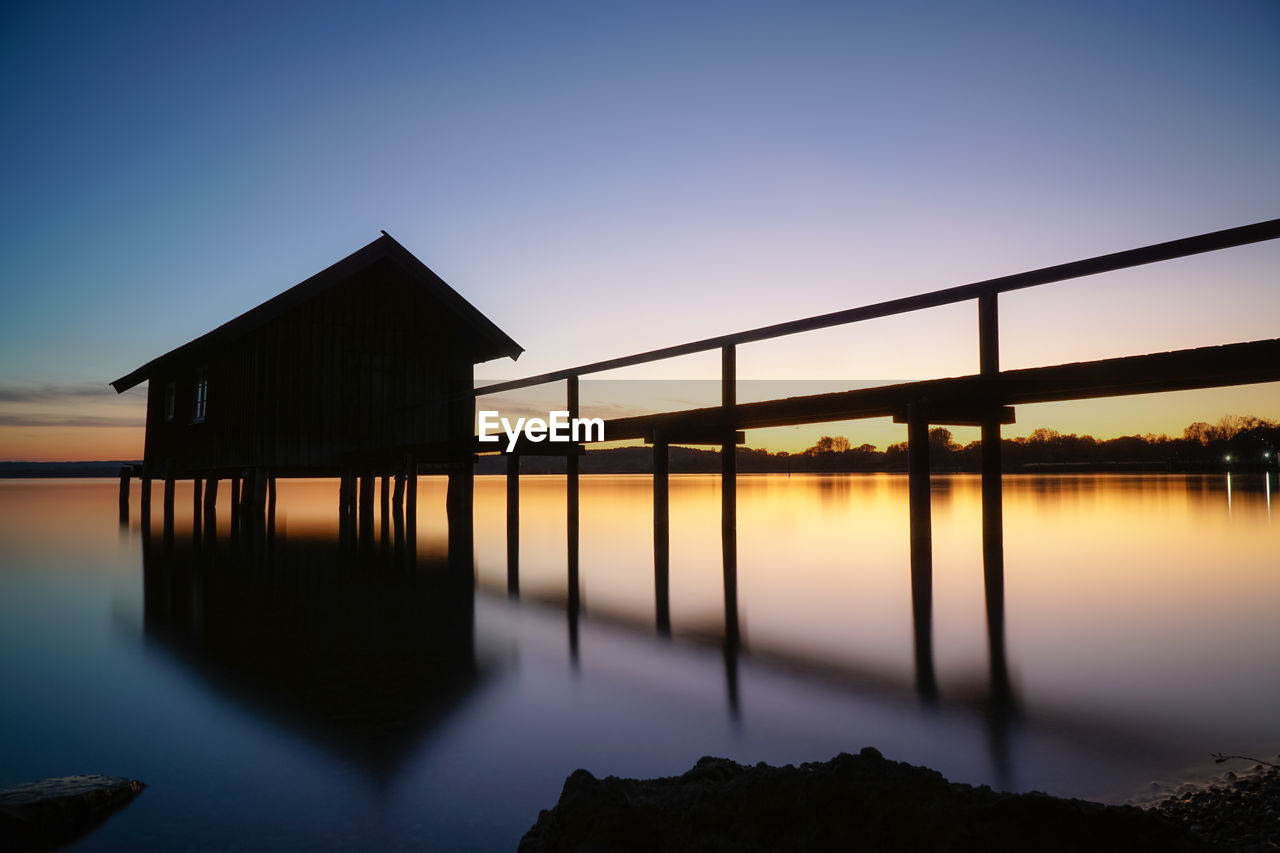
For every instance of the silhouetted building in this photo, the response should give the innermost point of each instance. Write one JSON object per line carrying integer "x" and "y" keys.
{"x": 361, "y": 366}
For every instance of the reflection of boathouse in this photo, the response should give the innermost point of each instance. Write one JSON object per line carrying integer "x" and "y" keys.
{"x": 365, "y": 368}
{"x": 361, "y": 653}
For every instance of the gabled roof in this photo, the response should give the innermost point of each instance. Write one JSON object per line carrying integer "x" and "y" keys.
{"x": 491, "y": 342}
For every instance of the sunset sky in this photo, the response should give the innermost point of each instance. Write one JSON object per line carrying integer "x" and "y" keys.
{"x": 607, "y": 178}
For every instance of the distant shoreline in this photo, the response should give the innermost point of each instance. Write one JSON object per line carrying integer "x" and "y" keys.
{"x": 610, "y": 463}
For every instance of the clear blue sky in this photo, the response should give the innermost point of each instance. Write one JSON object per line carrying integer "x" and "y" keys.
{"x": 601, "y": 178}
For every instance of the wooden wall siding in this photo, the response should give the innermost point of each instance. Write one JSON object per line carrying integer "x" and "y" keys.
{"x": 366, "y": 367}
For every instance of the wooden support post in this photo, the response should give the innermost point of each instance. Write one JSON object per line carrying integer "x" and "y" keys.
{"x": 513, "y": 525}
{"x": 384, "y": 494}
{"x": 988, "y": 334}
{"x": 126, "y": 472}
{"x": 411, "y": 507}
{"x": 168, "y": 508}
{"x": 461, "y": 511}
{"x": 144, "y": 505}
{"x": 397, "y": 510}
{"x": 661, "y": 537}
{"x": 729, "y": 496}
{"x": 197, "y": 513}
{"x": 921, "y": 547}
{"x": 210, "y": 495}
{"x": 993, "y": 559}
{"x": 366, "y": 508}
{"x": 572, "y": 497}
{"x": 235, "y": 507}
{"x": 271, "y": 507}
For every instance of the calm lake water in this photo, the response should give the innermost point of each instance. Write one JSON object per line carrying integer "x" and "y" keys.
{"x": 301, "y": 695}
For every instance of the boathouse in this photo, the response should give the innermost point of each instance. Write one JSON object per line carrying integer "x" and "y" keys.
{"x": 364, "y": 368}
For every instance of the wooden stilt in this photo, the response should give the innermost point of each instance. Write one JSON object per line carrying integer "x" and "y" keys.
{"x": 271, "y": 508}
{"x": 921, "y": 548}
{"x": 235, "y": 507}
{"x": 385, "y": 509}
{"x": 661, "y": 537}
{"x": 729, "y": 497}
{"x": 397, "y": 510}
{"x": 572, "y": 515}
{"x": 366, "y": 508}
{"x": 168, "y": 508}
{"x": 513, "y": 525}
{"x": 126, "y": 471}
{"x": 197, "y": 513}
{"x": 411, "y": 509}
{"x": 144, "y": 504}
{"x": 460, "y": 508}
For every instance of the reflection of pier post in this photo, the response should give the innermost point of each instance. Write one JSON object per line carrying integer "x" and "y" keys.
{"x": 661, "y": 536}
{"x": 513, "y": 525}
{"x": 921, "y": 547}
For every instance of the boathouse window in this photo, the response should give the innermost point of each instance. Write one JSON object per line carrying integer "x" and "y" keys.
{"x": 170, "y": 400}
{"x": 200, "y": 395}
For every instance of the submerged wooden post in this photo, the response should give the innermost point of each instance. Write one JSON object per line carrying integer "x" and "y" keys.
{"x": 729, "y": 495}
{"x": 126, "y": 471}
{"x": 572, "y": 506}
{"x": 513, "y": 525}
{"x": 661, "y": 536}
{"x": 921, "y": 547}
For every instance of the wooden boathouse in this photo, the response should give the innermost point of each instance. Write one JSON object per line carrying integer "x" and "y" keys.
{"x": 363, "y": 369}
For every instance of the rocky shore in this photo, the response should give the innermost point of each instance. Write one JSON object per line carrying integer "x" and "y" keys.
{"x": 866, "y": 802}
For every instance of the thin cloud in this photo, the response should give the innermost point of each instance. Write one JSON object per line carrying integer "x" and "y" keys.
{"x": 51, "y": 393}
{"x": 38, "y": 419}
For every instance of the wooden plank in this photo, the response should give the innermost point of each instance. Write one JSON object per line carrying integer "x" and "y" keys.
{"x": 1202, "y": 367}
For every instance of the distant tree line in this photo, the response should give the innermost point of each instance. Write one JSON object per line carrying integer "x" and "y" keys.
{"x": 1236, "y": 442}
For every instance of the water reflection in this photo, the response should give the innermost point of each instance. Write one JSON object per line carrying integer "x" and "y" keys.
{"x": 362, "y": 652}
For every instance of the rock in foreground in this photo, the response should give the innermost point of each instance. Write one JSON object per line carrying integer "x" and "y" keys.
{"x": 53, "y": 812}
{"x": 853, "y": 802}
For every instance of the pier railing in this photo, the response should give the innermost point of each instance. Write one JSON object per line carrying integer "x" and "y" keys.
{"x": 985, "y": 292}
